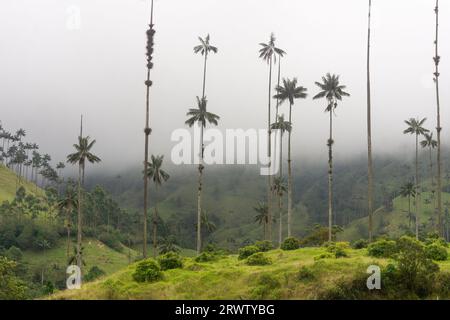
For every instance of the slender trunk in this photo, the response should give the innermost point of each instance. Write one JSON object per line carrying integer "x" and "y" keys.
{"x": 269, "y": 153}
{"x": 276, "y": 119}
{"x": 369, "y": 135}
{"x": 438, "y": 128}
{"x": 199, "y": 194}
{"x": 69, "y": 212}
{"x": 204, "y": 75}
{"x": 280, "y": 235}
{"x": 417, "y": 187}
{"x": 289, "y": 223}
{"x": 330, "y": 177}
{"x": 79, "y": 236}
{"x": 409, "y": 211}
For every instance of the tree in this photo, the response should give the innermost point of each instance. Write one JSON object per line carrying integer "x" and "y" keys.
{"x": 268, "y": 53}
{"x": 436, "y": 74}
{"x": 333, "y": 92}
{"x": 147, "y": 131}
{"x": 408, "y": 191}
{"x": 158, "y": 175}
{"x": 82, "y": 154}
{"x": 279, "y": 188}
{"x": 415, "y": 127}
{"x": 262, "y": 217}
{"x": 200, "y": 116}
{"x": 283, "y": 126}
{"x": 207, "y": 226}
{"x": 289, "y": 92}
{"x": 204, "y": 48}
{"x": 67, "y": 203}
{"x": 431, "y": 144}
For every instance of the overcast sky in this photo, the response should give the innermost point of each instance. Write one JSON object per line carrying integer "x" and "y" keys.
{"x": 51, "y": 71}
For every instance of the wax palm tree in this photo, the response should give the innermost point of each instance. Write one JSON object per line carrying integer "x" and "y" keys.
{"x": 437, "y": 59}
{"x": 201, "y": 116}
{"x": 207, "y": 226}
{"x": 262, "y": 217}
{"x": 204, "y": 48}
{"x": 82, "y": 154}
{"x": 278, "y": 189}
{"x": 369, "y": 133}
{"x": 415, "y": 127}
{"x": 290, "y": 92}
{"x": 431, "y": 144}
{"x": 333, "y": 92}
{"x": 68, "y": 203}
{"x": 283, "y": 126}
{"x": 158, "y": 176}
{"x": 408, "y": 191}
{"x": 269, "y": 53}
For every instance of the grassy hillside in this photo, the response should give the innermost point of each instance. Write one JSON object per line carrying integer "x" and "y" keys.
{"x": 230, "y": 278}
{"x": 9, "y": 184}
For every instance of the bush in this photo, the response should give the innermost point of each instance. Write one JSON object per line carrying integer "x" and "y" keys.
{"x": 267, "y": 288}
{"x": 14, "y": 254}
{"x": 205, "y": 257}
{"x": 247, "y": 251}
{"x": 264, "y": 246}
{"x": 170, "y": 260}
{"x": 338, "y": 249}
{"x": 290, "y": 244}
{"x": 382, "y": 249}
{"x": 94, "y": 273}
{"x": 258, "y": 259}
{"x": 326, "y": 255}
{"x": 306, "y": 274}
{"x": 436, "y": 252}
{"x": 147, "y": 271}
{"x": 360, "y": 244}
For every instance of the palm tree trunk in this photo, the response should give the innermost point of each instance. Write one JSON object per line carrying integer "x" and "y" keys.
{"x": 438, "y": 128}
{"x": 79, "y": 236}
{"x": 289, "y": 223}
{"x": 204, "y": 75}
{"x": 280, "y": 233}
{"x": 409, "y": 211}
{"x": 269, "y": 153}
{"x": 69, "y": 211}
{"x": 330, "y": 177}
{"x": 199, "y": 194}
{"x": 369, "y": 136}
{"x": 417, "y": 187}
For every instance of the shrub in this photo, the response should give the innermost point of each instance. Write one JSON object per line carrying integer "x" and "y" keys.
{"x": 14, "y": 254}
{"x": 94, "y": 273}
{"x": 147, "y": 271}
{"x": 170, "y": 260}
{"x": 264, "y": 246}
{"x": 360, "y": 244}
{"x": 258, "y": 259}
{"x": 290, "y": 244}
{"x": 326, "y": 255}
{"x": 338, "y": 249}
{"x": 267, "y": 288}
{"x": 306, "y": 274}
{"x": 247, "y": 251}
{"x": 205, "y": 257}
{"x": 382, "y": 248}
{"x": 436, "y": 252}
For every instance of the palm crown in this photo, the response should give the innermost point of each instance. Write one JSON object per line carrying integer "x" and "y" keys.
{"x": 279, "y": 186}
{"x": 408, "y": 190}
{"x": 415, "y": 126}
{"x": 83, "y": 152}
{"x": 290, "y": 91}
{"x": 281, "y": 124}
{"x": 155, "y": 172}
{"x": 262, "y": 213}
{"x": 201, "y": 115}
{"x": 269, "y": 50}
{"x": 331, "y": 90}
{"x": 428, "y": 141}
{"x": 205, "y": 47}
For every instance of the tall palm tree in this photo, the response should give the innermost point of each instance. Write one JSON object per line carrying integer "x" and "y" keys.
{"x": 262, "y": 217}
{"x": 283, "y": 126}
{"x": 204, "y": 48}
{"x": 408, "y": 191}
{"x": 82, "y": 154}
{"x": 431, "y": 144}
{"x": 67, "y": 203}
{"x": 269, "y": 53}
{"x": 369, "y": 133}
{"x": 158, "y": 175}
{"x": 200, "y": 116}
{"x": 290, "y": 92}
{"x": 415, "y": 127}
{"x": 279, "y": 188}
{"x": 207, "y": 226}
{"x": 333, "y": 92}
{"x": 437, "y": 60}
{"x": 147, "y": 131}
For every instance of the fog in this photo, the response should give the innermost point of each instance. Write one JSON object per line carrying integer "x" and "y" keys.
{"x": 54, "y": 68}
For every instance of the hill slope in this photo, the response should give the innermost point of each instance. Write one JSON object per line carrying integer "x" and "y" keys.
{"x": 9, "y": 184}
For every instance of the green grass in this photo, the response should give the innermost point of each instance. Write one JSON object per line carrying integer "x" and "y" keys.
{"x": 9, "y": 182}
{"x": 95, "y": 254}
